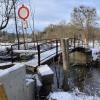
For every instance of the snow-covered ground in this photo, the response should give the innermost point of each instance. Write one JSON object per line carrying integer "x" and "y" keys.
{"x": 71, "y": 96}
{"x": 95, "y": 50}
{"x": 3, "y": 46}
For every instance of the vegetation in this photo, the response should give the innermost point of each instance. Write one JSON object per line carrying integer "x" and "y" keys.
{"x": 82, "y": 25}
{"x": 6, "y": 7}
{"x": 84, "y": 18}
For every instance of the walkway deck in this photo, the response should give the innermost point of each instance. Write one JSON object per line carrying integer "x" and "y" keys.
{"x": 45, "y": 56}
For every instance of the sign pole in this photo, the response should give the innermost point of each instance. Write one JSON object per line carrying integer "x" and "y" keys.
{"x": 23, "y": 13}
{"x": 16, "y": 25}
{"x": 24, "y": 37}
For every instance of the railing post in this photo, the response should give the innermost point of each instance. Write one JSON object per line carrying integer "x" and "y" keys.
{"x": 38, "y": 48}
{"x": 57, "y": 48}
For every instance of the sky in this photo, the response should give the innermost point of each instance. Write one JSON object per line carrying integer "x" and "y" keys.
{"x": 53, "y": 11}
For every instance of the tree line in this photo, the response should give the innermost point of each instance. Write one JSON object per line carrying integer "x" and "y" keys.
{"x": 83, "y": 23}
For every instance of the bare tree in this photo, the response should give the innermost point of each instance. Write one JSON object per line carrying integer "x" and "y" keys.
{"x": 84, "y": 18}
{"x": 6, "y": 7}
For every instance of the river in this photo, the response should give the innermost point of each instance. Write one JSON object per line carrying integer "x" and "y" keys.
{"x": 86, "y": 79}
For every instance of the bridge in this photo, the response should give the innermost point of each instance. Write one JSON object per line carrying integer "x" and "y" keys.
{"x": 42, "y": 51}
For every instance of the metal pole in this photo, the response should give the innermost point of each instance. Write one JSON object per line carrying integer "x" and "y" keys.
{"x": 27, "y": 36}
{"x": 16, "y": 24}
{"x": 24, "y": 36}
{"x": 38, "y": 48}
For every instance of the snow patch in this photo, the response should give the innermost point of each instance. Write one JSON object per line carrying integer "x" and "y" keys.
{"x": 45, "y": 70}
{"x": 70, "y": 96}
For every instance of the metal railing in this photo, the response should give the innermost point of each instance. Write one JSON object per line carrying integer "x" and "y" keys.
{"x": 40, "y": 46}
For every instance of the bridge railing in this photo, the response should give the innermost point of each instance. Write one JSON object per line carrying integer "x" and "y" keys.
{"x": 40, "y": 46}
{"x": 75, "y": 42}
{"x": 54, "y": 44}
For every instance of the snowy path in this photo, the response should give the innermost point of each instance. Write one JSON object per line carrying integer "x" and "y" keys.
{"x": 45, "y": 56}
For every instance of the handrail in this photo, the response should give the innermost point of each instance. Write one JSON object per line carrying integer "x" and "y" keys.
{"x": 39, "y": 49}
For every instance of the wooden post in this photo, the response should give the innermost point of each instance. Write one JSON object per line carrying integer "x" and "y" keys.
{"x": 3, "y": 95}
{"x": 65, "y": 55}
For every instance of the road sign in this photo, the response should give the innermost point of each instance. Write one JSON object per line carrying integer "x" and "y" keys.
{"x": 25, "y": 24}
{"x": 23, "y": 12}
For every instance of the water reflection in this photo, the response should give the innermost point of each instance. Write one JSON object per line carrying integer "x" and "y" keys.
{"x": 86, "y": 79}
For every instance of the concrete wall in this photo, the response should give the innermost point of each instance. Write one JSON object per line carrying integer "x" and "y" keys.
{"x": 78, "y": 58}
{"x": 30, "y": 89}
{"x": 13, "y": 80}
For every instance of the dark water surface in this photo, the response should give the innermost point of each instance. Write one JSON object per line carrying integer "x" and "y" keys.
{"x": 86, "y": 79}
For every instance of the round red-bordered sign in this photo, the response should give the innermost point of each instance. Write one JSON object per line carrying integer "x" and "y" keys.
{"x": 23, "y": 12}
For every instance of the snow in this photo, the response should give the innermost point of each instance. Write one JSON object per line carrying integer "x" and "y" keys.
{"x": 5, "y": 64}
{"x": 1, "y": 71}
{"x": 13, "y": 68}
{"x": 45, "y": 70}
{"x": 95, "y": 52}
{"x": 38, "y": 82}
{"x": 35, "y": 76}
{"x": 25, "y": 51}
{"x": 45, "y": 56}
{"x": 3, "y": 46}
{"x": 70, "y": 96}
{"x": 28, "y": 81}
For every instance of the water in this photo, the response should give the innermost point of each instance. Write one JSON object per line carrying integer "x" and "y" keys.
{"x": 92, "y": 82}
{"x": 86, "y": 79}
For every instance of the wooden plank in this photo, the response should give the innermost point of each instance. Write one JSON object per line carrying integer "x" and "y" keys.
{"x": 3, "y": 95}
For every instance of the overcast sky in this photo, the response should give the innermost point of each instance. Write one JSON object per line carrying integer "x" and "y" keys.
{"x": 54, "y": 11}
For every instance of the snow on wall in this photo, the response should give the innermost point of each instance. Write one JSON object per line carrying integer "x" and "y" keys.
{"x": 45, "y": 70}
